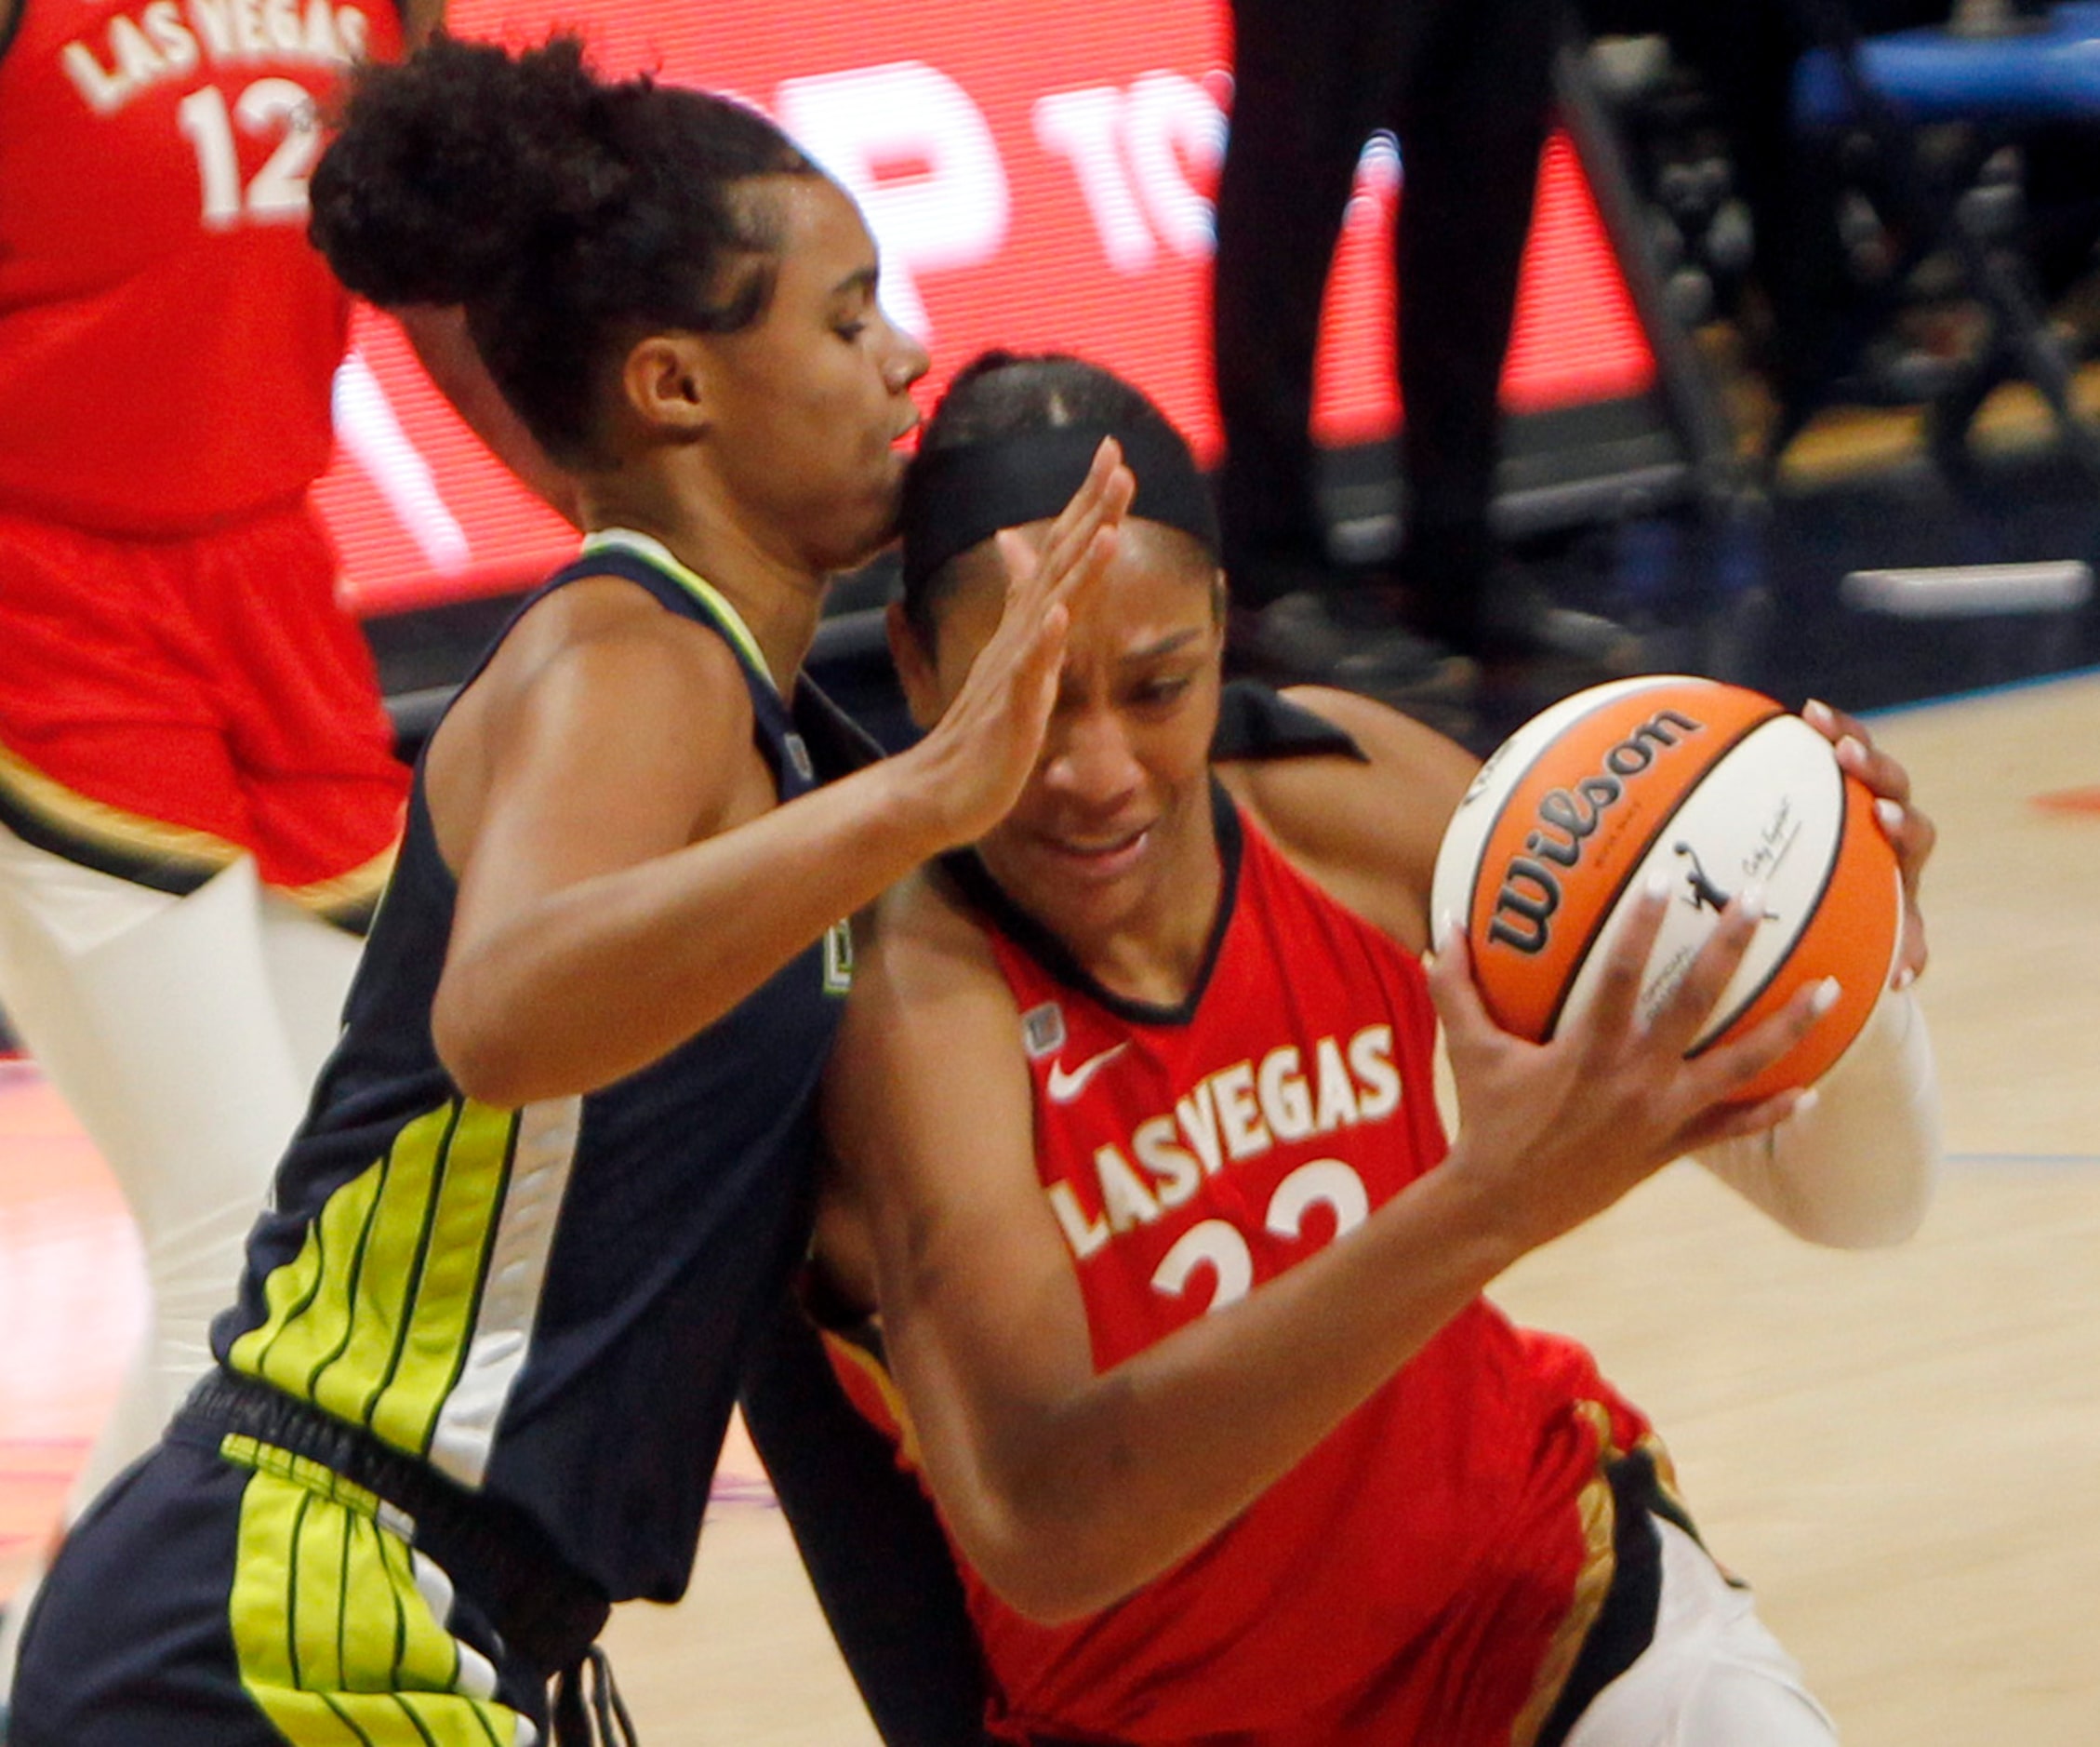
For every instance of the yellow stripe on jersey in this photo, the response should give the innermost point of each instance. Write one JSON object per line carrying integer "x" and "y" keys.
{"x": 334, "y": 1629}
{"x": 440, "y": 1317}
{"x": 370, "y": 1321}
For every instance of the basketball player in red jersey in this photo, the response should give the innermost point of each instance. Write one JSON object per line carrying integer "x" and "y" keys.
{"x": 198, "y": 797}
{"x": 1178, "y": 1279}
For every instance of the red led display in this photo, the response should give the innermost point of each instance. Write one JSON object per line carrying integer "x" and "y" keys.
{"x": 1038, "y": 175}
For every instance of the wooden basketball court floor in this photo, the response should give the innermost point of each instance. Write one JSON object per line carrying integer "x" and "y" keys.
{"x": 1900, "y": 1449}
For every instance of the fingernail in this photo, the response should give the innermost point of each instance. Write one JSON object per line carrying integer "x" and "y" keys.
{"x": 1807, "y": 1102}
{"x": 1826, "y": 994}
{"x": 1905, "y": 976}
{"x": 1657, "y": 885}
{"x": 1817, "y": 714}
{"x": 1751, "y": 898}
{"x": 1851, "y": 750}
{"x": 1444, "y": 933}
{"x": 1890, "y": 813}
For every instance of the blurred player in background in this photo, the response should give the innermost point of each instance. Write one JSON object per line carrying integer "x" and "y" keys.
{"x": 1465, "y": 86}
{"x": 198, "y": 800}
{"x": 1114, "y": 1085}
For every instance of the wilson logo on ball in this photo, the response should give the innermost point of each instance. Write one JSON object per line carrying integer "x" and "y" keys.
{"x": 1568, "y": 819}
{"x": 1708, "y": 787}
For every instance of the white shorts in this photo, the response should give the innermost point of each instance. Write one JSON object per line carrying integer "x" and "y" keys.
{"x": 1712, "y": 1677}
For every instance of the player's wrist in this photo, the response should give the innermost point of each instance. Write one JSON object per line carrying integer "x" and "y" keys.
{"x": 1481, "y": 1228}
{"x": 916, "y": 804}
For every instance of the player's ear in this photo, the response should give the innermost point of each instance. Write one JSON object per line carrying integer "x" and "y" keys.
{"x": 664, "y": 381}
{"x": 915, "y": 666}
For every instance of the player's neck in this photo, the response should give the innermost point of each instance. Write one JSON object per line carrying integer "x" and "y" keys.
{"x": 1154, "y": 949}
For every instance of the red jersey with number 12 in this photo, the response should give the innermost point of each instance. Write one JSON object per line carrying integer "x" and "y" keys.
{"x": 1424, "y": 1574}
{"x": 154, "y": 271}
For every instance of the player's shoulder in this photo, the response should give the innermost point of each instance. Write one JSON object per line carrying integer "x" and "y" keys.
{"x": 924, "y": 943}
{"x": 608, "y": 636}
{"x": 1363, "y": 819}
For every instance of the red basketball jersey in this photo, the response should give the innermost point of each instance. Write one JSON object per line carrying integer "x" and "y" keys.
{"x": 167, "y": 335}
{"x": 1416, "y": 1576}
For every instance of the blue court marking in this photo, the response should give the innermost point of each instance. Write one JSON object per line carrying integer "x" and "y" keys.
{"x": 2033, "y": 682}
{"x": 2071, "y": 1160}
{"x": 747, "y": 1489}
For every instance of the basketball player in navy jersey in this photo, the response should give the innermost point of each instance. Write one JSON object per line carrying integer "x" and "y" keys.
{"x": 1172, "y": 1280}
{"x": 557, "y": 1170}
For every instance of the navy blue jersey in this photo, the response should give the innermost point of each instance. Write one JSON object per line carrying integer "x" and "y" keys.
{"x": 551, "y": 1305}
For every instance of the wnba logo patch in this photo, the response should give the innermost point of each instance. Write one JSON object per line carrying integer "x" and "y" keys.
{"x": 1043, "y": 1030}
{"x": 838, "y": 958}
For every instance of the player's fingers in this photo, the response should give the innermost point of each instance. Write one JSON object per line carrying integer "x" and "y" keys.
{"x": 1881, "y": 772}
{"x": 1911, "y": 834}
{"x": 1019, "y": 560}
{"x": 1451, "y": 989}
{"x": 1832, "y": 722}
{"x": 1730, "y": 1122}
{"x": 1088, "y": 567}
{"x": 1103, "y": 496}
{"x": 1035, "y": 683}
{"x": 1077, "y": 569}
{"x": 1720, "y": 1071}
{"x": 1685, "y": 1009}
{"x": 1035, "y": 566}
{"x": 1616, "y": 1007}
{"x": 1020, "y": 623}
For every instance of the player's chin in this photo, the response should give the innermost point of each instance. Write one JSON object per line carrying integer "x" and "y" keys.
{"x": 872, "y": 525}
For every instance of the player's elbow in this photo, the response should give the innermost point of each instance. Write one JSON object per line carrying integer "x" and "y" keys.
{"x": 480, "y": 1073}
{"x": 482, "y": 1059}
{"x": 1050, "y": 1578}
{"x": 1890, "y": 1214}
{"x": 1057, "y": 1538}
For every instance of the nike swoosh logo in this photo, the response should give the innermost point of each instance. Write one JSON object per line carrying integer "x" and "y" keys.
{"x": 1063, "y": 1087}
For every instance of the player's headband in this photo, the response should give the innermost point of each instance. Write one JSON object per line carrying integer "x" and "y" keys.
{"x": 956, "y": 498}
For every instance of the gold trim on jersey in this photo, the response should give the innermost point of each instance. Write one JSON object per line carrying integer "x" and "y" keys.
{"x": 174, "y": 858}
{"x": 870, "y": 1364}
{"x": 1597, "y": 1514}
{"x": 337, "y": 1623}
{"x": 96, "y": 824}
{"x": 347, "y": 896}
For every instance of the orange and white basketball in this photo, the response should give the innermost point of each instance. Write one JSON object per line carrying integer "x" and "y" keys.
{"x": 1717, "y": 788}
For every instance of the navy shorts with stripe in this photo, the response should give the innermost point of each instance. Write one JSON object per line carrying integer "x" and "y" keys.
{"x": 255, "y": 1601}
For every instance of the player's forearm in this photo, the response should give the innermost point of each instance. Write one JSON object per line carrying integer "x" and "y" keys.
{"x": 1858, "y": 1168}
{"x": 606, "y": 976}
{"x": 1064, "y": 1508}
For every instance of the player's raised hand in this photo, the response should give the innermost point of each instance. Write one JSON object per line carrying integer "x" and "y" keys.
{"x": 1558, "y": 1132}
{"x": 980, "y": 754}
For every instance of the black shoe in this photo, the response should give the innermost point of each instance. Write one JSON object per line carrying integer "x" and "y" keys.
{"x": 1520, "y": 624}
{"x": 1310, "y": 639}
{"x": 1306, "y": 638}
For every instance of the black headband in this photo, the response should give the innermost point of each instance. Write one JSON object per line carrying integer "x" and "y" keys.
{"x": 957, "y": 498}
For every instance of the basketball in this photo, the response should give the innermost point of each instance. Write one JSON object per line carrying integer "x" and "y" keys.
{"x": 1715, "y": 788}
